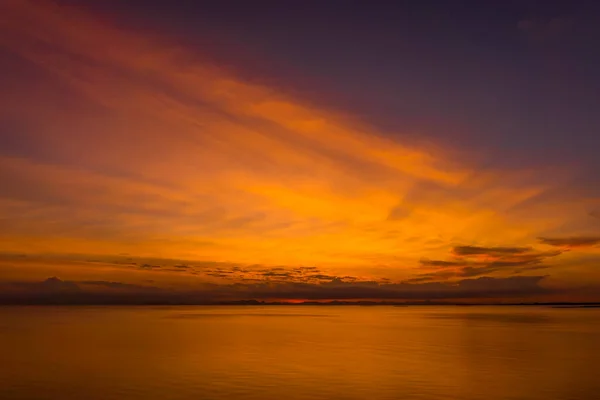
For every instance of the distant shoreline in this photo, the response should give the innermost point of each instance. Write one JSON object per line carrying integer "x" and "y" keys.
{"x": 308, "y": 303}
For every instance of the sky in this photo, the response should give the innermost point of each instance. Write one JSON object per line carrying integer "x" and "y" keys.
{"x": 299, "y": 150}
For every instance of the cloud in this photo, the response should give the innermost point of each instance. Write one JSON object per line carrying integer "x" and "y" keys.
{"x": 183, "y": 153}
{"x": 150, "y": 266}
{"x": 118, "y": 285}
{"x": 184, "y": 156}
{"x": 464, "y": 289}
{"x": 571, "y": 241}
{"x": 55, "y": 285}
{"x": 186, "y": 160}
{"x": 441, "y": 263}
{"x": 279, "y": 274}
{"x": 530, "y": 268}
{"x": 473, "y": 261}
{"x": 223, "y": 275}
{"x": 276, "y": 274}
{"x": 489, "y": 251}
{"x": 480, "y": 288}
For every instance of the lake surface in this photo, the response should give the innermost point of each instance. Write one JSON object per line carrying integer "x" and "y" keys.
{"x": 299, "y": 352}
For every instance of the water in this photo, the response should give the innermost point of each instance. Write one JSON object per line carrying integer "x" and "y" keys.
{"x": 299, "y": 352}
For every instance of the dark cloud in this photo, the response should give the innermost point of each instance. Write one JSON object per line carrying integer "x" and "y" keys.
{"x": 468, "y": 272}
{"x": 279, "y": 274}
{"x": 519, "y": 260}
{"x": 219, "y": 275}
{"x": 230, "y": 271}
{"x": 117, "y": 285}
{"x": 467, "y": 263}
{"x": 433, "y": 276}
{"x": 149, "y": 266}
{"x": 306, "y": 270}
{"x": 464, "y": 263}
{"x": 530, "y": 268}
{"x": 335, "y": 289}
{"x": 420, "y": 279}
{"x": 180, "y": 265}
{"x": 571, "y": 241}
{"x": 174, "y": 269}
{"x": 489, "y": 251}
{"x": 484, "y": 287}
{"x": 276, "y": 274}
{"x": 55, "y": 284}
{"x": 121, "y": 262}
{"x": 441, "y": 263}
{"x": 323, "y": 277}
{"x": 219, "y": 270}
{"x": 495, "y": 267}
{"x": 462, "y": 272}
{"x": 518, "y": 263}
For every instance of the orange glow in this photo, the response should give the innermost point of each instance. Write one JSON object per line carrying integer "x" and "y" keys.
{"x": 168, "y": 157}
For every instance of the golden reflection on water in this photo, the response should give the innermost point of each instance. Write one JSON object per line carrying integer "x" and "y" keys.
{"x": 299, "y": 352}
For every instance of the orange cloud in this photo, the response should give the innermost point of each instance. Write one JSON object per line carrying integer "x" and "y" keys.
{"x": 147, "y": 149}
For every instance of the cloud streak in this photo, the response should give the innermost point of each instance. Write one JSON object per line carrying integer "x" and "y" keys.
{"x": 473, "y": 261}
{"x": 122, "y": 143}
{"x": 489, "y": 251}
{"x": 571, "y": 241}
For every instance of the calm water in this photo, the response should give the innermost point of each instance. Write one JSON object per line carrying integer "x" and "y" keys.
{"x": 299, "y": 353}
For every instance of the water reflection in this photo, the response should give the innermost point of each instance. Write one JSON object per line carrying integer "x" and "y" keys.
{"x": 299, "y": 353}
{"x": 248, "y": 315}
{"x": 503, "y": 318}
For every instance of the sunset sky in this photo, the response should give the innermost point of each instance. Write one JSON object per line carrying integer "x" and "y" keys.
{"x": 301, "y": 150}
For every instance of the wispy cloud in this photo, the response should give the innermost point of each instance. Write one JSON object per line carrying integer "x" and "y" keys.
{"x": 571, "y": 241}
{"x": 489, "y": 251}
{"x": 472, "y": 261}
{"x": 130, "y": 144}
